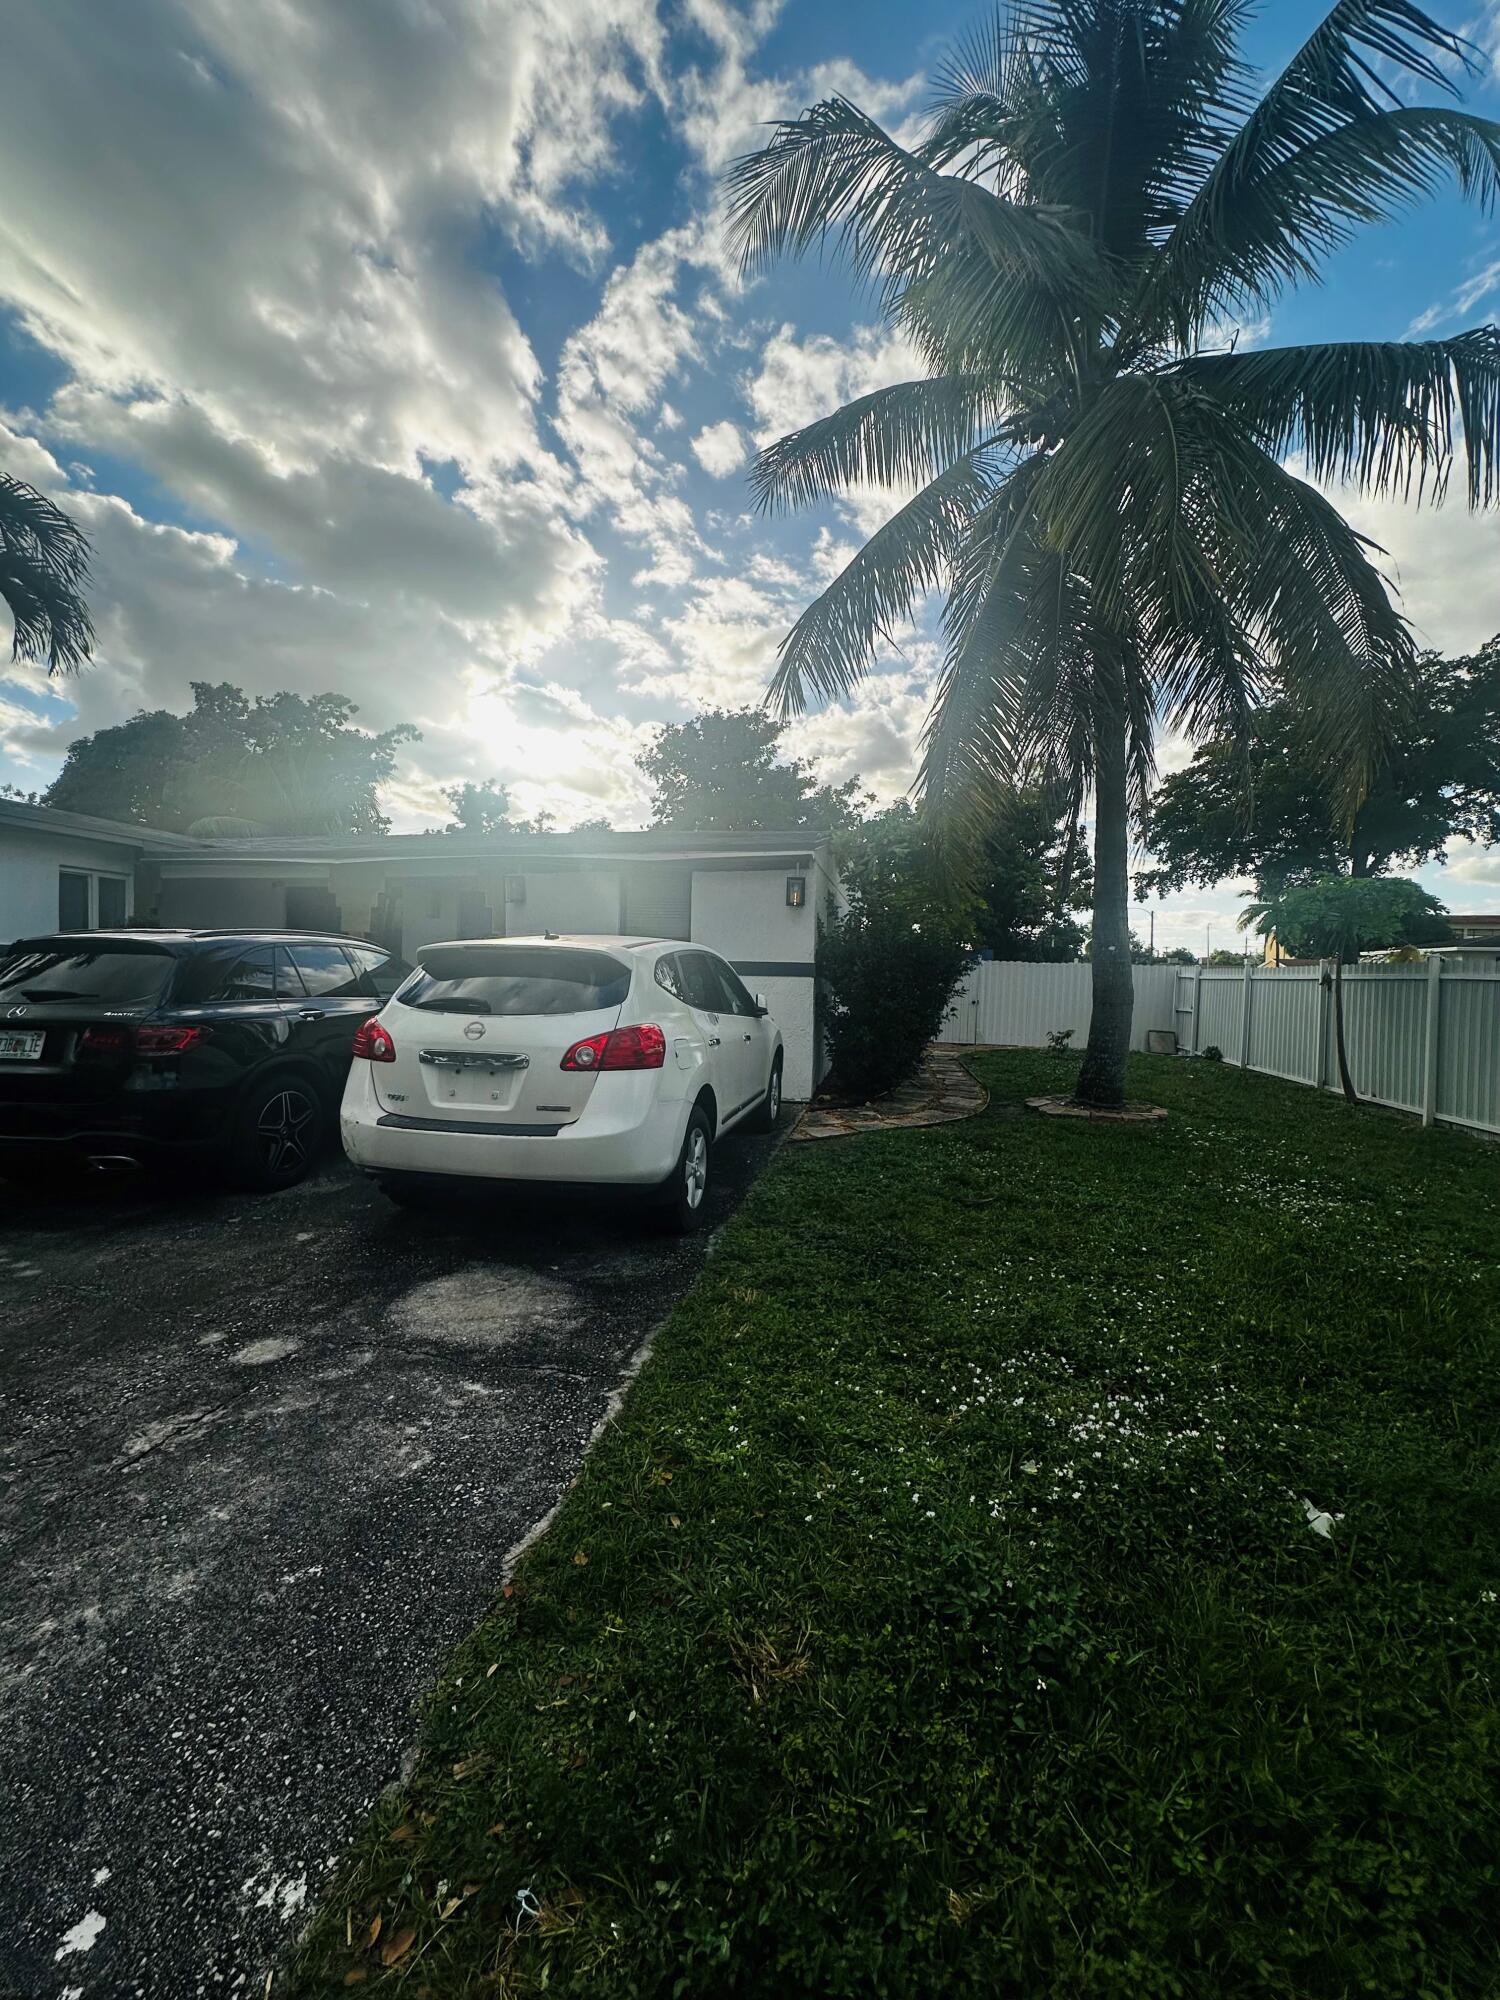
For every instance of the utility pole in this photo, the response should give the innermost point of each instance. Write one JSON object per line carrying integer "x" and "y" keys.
{"x": 1153, "y": 933}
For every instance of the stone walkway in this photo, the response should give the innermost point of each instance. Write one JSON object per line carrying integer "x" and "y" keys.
{"x": 941, "y": 1091}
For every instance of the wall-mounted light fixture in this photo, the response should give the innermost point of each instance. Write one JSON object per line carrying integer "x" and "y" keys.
{"x": 515, "y": 888}
{"x": 796, "y": 891}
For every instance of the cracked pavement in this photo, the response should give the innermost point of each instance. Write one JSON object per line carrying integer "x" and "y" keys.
{"x": 261, "y": 1463}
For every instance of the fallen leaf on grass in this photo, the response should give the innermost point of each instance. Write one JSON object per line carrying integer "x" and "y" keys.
{"x": 355, "y": 1975}
{"x": 406, "y": 1831}
{"x": 494, "y": 1832}
{"x": 374, "y": 1931}
{"x": 448, "y": 1908}
{"x": 675, "y": 1519}
{"x": 398, "y": 1946}
{"x": 508, "y": 1590}
{"x": 580, "y": 1557}
{"x": 467, "y": 1766}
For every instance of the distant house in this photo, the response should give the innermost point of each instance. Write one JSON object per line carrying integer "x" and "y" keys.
{"x": 754, "y": 897}
{"x": 1476, "y": 938}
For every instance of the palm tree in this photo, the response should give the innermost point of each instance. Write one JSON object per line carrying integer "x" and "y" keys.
{"x": 1101, "y": 493}
{"x": 44, "y": 565}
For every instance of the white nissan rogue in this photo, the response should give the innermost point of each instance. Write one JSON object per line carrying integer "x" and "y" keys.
{"x": 590, "y": 1061}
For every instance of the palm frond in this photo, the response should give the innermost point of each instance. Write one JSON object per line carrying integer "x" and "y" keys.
{"x": 899, "y": 436}
{"x": 44, "y": 567}
{"x": 1382, "y": 414}
{"x": 831, "y": 644}
{"x": 1014, "y": 705}
{"x": 1330, "y": 145}
{"x": 1012, "y": 276}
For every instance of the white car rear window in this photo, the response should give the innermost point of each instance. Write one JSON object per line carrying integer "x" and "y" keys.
{"x": 511, "y": 980}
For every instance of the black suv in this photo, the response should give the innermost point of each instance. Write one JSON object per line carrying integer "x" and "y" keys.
{"x": 117, "y": 1047}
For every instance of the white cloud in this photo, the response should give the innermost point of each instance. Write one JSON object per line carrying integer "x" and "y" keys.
{"x": 801, "y": 379}
{"x": 1445, "y": 560}
{"x": 719, "y": 449}
{"x": 1479, "y": 287}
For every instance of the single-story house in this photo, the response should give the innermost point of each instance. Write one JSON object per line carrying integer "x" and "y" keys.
{"x": 69, "y": 871}
{"x": 754, "y": 897}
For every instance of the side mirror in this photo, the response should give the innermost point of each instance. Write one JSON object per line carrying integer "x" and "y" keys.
{"x": 761, "y": 1009}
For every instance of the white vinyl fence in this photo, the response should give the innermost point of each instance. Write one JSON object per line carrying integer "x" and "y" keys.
{"x": 1018, "y": 1005}
{"x": 1423, "y": 1038}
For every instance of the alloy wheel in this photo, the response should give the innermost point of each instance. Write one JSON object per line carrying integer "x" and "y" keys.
{"x": 283, "y": 1131}
{"x": 695, "y": 1168}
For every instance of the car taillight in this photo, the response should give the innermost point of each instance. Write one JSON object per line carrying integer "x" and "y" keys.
{"x": 644, "y": 1047}
{"x": 372, "y": 1042}
{"x": 104, "y": 1041}
{"x": 156, "y": 1039}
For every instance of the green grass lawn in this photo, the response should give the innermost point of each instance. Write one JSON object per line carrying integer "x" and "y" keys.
{"x": 942, "y": 1617}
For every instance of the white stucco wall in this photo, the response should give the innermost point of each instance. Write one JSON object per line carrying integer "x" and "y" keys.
{"x": 588, "y": 900}
{"x": 29, "y": 866}
{"x": 742, "y": 913}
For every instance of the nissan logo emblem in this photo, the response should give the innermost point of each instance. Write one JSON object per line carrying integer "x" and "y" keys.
{"x": 475, "y": 1031}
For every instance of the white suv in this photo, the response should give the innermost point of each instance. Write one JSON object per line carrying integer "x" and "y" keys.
{"x": 583, "y": 1060}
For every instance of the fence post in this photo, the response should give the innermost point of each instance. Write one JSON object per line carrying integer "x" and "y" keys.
{"x": 1249, "y": 989}
{"x": 1197, "y": 1004}
{"x": 1434, "y": 1020}
{"x": 1324, "y": 1002}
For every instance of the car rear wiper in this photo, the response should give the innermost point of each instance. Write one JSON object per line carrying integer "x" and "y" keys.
{"x": 453, "y": 1006}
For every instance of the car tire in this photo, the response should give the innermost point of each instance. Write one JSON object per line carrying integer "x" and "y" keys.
{"x": 278, "y": 1133}
{"x": 684, "y": 1193}
{"x": 766, "y": 1114}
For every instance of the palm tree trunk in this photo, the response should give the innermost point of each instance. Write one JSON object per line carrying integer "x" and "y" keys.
{"x": 1101, "y": 1081}
{"x": 1351, "y": 1095}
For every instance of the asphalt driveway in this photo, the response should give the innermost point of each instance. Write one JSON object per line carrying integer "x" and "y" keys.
{"x": 261, "y": 1461}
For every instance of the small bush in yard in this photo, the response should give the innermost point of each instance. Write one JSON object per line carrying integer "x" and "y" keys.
{"x": 890, "y": 964}
{"x": 888, "y": 988}
{"x": 1058, "y": 1040}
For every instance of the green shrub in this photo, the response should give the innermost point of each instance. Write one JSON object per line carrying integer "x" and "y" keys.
{"x": 1058, "y": 1040}
{"x": 888, "y": 987}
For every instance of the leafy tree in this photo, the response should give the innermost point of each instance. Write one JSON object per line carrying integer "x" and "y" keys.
{"x": 722, "y": 772}
{"x": 1269, "y": 815}
{"x": 1101, "y": 493}
{"x": 281, "y": 763}
{"x": 1338, "y": 917}
{"x": 1032, "y": 880}
{"x": 1019, "y": 905}
{"x": 44, "y": 568}
{"x": 479, "y": 808}
{"x": 1222, "y": 957}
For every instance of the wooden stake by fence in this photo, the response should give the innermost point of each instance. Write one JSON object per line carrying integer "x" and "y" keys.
{"x": 1434, "y": 1022}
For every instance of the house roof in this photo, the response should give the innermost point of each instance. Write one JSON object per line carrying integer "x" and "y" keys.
{"x": 653, "y": 843}
{"x": 656, "y": 843}
{"x": 48, "y": 819}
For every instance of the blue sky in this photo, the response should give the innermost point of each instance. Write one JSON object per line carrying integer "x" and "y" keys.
{"x": 394, "y": 349}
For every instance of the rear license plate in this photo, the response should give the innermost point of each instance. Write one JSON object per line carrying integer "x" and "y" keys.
{"x": 21, "y": 1044}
